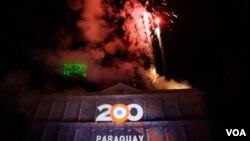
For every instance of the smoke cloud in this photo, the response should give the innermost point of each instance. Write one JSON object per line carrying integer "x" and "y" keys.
{"x": 117, "y": 44}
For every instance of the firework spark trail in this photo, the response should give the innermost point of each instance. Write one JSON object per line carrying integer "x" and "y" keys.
{"x": 158, "y": 35}
{"x": 159, "y": 8}
{"x": 158, "y": 32}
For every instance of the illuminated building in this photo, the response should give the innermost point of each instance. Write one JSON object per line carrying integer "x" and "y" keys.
{"x": 167, "y": 115}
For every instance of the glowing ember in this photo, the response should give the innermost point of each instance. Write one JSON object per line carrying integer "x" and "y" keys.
{"x": 157, "y": 21}
{"x": 153, "y": 74}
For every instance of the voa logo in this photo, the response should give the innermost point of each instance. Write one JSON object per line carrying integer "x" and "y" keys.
{"x": 236, "y": 132}
{"x": 119, "y": 112}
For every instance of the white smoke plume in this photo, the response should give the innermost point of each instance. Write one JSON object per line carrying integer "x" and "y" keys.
{"x": 155, "y": 81}
{"x": 112, "y": 56}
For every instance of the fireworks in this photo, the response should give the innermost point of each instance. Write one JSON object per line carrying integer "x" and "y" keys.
{"x": 141, "y": 20}
{"x": 159, "y": 7}
{"x": 120, "y": 37}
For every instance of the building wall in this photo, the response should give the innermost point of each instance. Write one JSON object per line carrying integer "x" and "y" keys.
{"x": 151, "y": 131}
{"x": 161, "y": 106}
{"x": 167, "y": 116}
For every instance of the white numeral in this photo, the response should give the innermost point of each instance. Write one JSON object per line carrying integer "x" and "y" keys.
{"x": 139, "y": 114}
{"x": 105, "y": 112}
{"x": 105, "y": 115}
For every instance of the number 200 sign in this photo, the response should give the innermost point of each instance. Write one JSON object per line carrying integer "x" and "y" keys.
{"x": 119, "y": 112}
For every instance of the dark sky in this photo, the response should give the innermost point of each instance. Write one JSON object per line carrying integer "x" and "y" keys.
{"x": 208, "y": 47}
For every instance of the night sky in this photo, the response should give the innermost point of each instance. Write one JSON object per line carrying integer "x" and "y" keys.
{"x": 207, "y": 46}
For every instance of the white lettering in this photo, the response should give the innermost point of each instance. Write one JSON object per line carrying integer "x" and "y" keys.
{"x": 116, "y": 138}
{"x": 242, "y": 132}
{"x": 122, "y": 138}
{"x": 135, "y": 139}
{"x": 104, "y": 138}
{"x": 128, "y": 138}
{"x": 229, "y": 132}
{"x": 110, "y": 138}
{"x": 236, "y": 132}
{"x": 141, "y": 137}
{"x": 98, "y": 138}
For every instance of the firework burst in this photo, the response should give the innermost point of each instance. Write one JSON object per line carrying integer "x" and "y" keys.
{"x": 158, "y": 8}
{"x": 146, "y": 25}
{"x": 120, "y": 37}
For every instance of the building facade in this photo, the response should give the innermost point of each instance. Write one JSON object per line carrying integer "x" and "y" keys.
{"x": 169, "y": 115}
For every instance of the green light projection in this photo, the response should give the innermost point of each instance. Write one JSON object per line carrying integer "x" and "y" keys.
{"x": 75, "y": 69}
